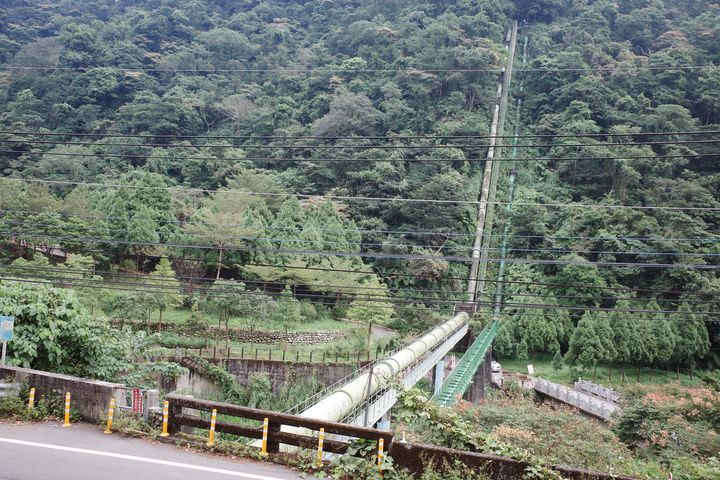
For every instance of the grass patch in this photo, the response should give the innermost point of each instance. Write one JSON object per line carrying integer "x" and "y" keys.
{"x": 608, "y": 375}
{"x": 324, "y": 323}
{"x": 344, "y": 349}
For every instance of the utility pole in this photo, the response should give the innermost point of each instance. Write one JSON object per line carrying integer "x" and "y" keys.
{"x": 478, "y": 267}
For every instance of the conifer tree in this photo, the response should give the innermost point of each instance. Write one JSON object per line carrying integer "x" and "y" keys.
{"x": 557, "y": 361}
{"x": 522, "y": 350}
{"x": 504, "y": 344}
{"x": 585, "y": 346}
{"x": 623, "y": 337}
{"x": 664, "y": 337}
{"x": 604, "y": 330}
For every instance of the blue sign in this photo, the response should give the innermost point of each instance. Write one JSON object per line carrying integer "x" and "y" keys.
{"x": 6, "y": 328}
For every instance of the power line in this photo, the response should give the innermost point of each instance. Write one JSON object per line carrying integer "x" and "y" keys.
{"x": 549, "y": 250}
{"x": 449, "y": 258}
{"x": 283, "y": 240}
{"x": 355, "y": 160}
{"x": 356, "y": 137}
{"x": 610, "y": 206}
{"x": 345, "y": 289}
{"x": 365, "y": 147}
{"x": 321, "y": 70}
{"x": 265, "y": 194}
{"x": 396, "y": 301}
{"x": 360, "y": 198}
{"x": 396, "y": 275}
{"x": 391, "y": 275}
{"x": 398, "y": 232}
{"x": 511, "y": 314}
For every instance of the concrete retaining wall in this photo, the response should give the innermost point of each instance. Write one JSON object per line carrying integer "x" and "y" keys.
{"x": 279, "y": 373}
{"x": 89, "y": 397}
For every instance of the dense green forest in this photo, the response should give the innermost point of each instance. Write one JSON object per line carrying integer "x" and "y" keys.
{"x": 131, "y": 129}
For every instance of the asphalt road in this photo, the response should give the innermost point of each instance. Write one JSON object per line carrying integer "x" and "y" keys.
{"x": 48, "y": 451}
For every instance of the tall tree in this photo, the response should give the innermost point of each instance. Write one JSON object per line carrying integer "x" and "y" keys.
{"x": 164, "y": 289}
{"x": 585, "y": 347}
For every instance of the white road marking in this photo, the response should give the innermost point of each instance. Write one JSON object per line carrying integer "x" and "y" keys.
{"x": 140, "y": 459}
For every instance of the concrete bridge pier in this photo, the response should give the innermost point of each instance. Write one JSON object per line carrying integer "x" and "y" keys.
{"x": 438, "y": 375}
{"x": 384, "y": 422}
{"x": 476, "y": 392}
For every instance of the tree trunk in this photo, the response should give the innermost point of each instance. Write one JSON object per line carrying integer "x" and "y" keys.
{"x": 160, "y": 321}
{"x": 217, "y": 332}
{"x": 652, "y": 371}
{"x": 595, "y": 373}
{"x": 219, "y": 265}
{"x": 227, "y": 336}
{"x": 638, "y": 374}
{"x": 609, "y": 373}
{"x": 677, "y": 371}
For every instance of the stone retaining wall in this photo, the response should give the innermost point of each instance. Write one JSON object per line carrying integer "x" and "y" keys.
{"x": 291, "y": 338}
{"x": 265, "y": 337}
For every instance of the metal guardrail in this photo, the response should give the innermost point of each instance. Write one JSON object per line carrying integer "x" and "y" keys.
{"x": 459, "y": 380}
{"x": 179, "y": 404}
{"x": 413, "y": 456}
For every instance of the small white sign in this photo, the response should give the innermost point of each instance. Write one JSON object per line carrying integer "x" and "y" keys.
{"x": 6, "y": 328}
{"x": 531, "y": 370}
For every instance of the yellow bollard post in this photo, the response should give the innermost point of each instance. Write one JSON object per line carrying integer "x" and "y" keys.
{"x": 381, "y": 447}
{"x": 321, "y": 440}
{"x": 263, "y": 450}
{"x": 211, "y": 437}
{"x": 67, "y": 410}
{"x": 31, "y": 399}
{"x": 166, "y": 410}
{"x": 111, "y": 413}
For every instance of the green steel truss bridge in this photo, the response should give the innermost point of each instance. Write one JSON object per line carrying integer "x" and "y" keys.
{"x": 458, "y": 382}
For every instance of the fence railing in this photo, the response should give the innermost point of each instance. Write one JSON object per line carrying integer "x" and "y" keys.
{"x": 178, "y": 418}
{"x": 281, "y": 354}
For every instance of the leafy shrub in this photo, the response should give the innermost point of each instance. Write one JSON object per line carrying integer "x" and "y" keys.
{"x": 672, "y": 420}
{"x": 171, "y": 340}
{"x": 457, "y": 471}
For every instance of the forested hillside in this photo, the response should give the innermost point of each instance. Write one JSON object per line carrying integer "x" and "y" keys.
{"x": 357, "y": 131}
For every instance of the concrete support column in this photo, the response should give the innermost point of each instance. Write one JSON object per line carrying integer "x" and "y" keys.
{"x": 384, "y": 422}
{"x": 481, "y": 379}
{"x": 438, "y": 375}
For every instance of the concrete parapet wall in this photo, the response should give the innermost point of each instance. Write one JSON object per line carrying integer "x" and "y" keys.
{"x": 89, "y": 397}
{"x": 581, "y": 400}
{"x": 597, "y": 390}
